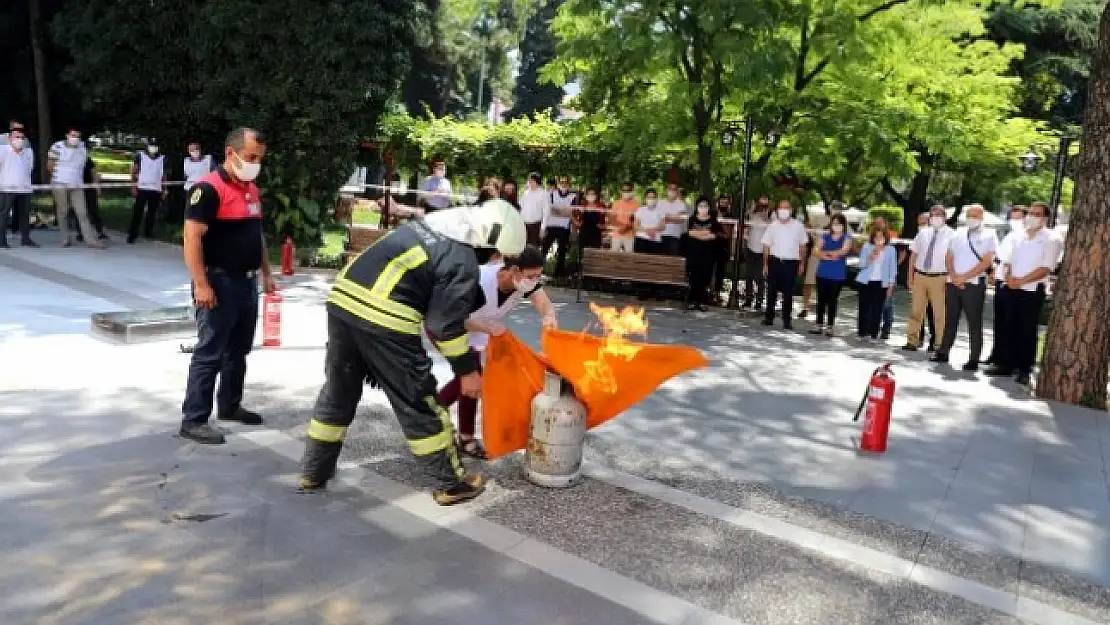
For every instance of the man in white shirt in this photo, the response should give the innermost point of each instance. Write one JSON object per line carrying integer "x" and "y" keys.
{"x": 438, "y": 187}
{"x": 676, "y": 214}
{"x": 17, "y": 161}
{"x": 534, "y": 204}
{"x": 148, "y": 186}
{"x": 784, "y": 245}
{"x": 755, "y": 225}
{"x": 970, "y": 253}
{"x": 555, "y": 228}
{"x": 66, "y": 165}
{"x": 926, "y": 276}
{"x": 1032, "y": 254}
{"x": 1001, "y": 291}
{"x": 650, "y": 221}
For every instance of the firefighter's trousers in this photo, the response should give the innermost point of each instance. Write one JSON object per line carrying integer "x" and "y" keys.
{"x": 399, "y": 365}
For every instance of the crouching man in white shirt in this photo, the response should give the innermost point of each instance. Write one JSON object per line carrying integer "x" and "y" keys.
{"x": 504, "y": 283}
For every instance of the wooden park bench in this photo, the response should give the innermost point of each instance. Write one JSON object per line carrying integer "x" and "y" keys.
{"x": 632, "y": 267}
{"x": 359, "y": 238}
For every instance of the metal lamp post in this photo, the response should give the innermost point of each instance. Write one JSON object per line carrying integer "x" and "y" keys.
{"x": 1030, "y": 160}
{"x": 728, "y": 140}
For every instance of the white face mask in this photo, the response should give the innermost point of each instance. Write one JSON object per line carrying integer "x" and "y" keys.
{"x": 591, "y": 198}
{"x": 526, "y": 284}
{"x": 17, "y": 143}
{"x": 974, "y": 224}
{"x": 152, "y": 149}
{"x": 1017, "y": 224}
{"x": 784, "y": 213}
{"x": 73, "y": 141}
{"x": 880, "y": 241}
{"x": 671, "y": 195}
{"x": 651, "y": 203}
{"x": 246, "y": 171}
{"x": 837, "y": 228}
{"x": 439, "y": 173}
{"x": 703, "y": 211}
{"x": 626, "y": 195}
{"x": 936, "y": 222}
{"x": 194, "y": 153}
{"x": 1032, "y": 222}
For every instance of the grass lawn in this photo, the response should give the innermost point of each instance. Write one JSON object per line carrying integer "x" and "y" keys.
{"x": 115, "y": 210}
{"x": 110, "y": 162}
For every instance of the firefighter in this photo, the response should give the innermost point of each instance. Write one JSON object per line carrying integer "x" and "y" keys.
{"x": 424, "y": 273}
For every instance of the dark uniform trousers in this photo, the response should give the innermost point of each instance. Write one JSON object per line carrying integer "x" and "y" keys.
{"x": 754, "y": 280}
{"x": 782, "y": 274}
{"x": 225, "y": 335}
{"x": 1017, "y": 351}
{"x": 557, "y": 235}
{"x": 400, "y": 366}
{"x": 968, "y": 301}
{"x": 143, "y": 213}
{"x": 1001, "y": 310}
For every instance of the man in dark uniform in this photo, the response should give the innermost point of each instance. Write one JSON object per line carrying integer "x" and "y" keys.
{"x": 225, "y": 253}
{"x": 422, "y": 275}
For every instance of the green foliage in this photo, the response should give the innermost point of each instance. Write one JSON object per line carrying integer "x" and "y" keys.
{"x": 297, "y": 71}
{"x": 894, "y": 215}
{"x": 534, "y": 95}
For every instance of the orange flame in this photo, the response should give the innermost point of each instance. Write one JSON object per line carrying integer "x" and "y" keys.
{"x": 615, "y": 325}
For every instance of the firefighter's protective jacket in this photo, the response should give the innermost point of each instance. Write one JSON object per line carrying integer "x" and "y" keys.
{"x": 410, "y": 278}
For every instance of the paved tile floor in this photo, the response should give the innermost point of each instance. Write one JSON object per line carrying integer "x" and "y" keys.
{"x": 116, "y": 521}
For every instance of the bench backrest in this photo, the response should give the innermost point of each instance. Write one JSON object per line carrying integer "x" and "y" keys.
{"x": 653, "y": 268}
{"x": 362, "y": 237}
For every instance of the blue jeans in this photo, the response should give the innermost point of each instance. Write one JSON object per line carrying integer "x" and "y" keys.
{"x": 225, "y": 335}
{"x": 888, "y": 315}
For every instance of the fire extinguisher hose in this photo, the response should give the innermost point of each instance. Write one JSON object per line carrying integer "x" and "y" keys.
{"x": 867, "y": 390}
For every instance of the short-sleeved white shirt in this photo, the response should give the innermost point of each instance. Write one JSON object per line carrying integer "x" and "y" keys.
{"x": 965, "y": 244}
{"x": 757, "y": 225}
{"x": 676, "y": 208}
{"x": 1029, "y": 253}
{"x": 69, "y": 163}
{"x": 920, "y": 246}
{"x": 786, "y": 239}
{"x": 647, "y": 217}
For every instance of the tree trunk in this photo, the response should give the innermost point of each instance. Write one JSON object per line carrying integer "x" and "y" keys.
{"x": 705, "y": 150}
{"x": 42, "y": 97}
{"x": 1076, "y": 364}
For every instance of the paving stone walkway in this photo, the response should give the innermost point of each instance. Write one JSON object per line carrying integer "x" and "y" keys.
{"x": 733, "y": 495}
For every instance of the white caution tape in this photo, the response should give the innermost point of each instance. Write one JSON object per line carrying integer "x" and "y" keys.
{"x": 102, "y": 185}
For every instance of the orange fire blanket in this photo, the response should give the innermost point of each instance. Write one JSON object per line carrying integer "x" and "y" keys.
{"x": 609, "y": 375}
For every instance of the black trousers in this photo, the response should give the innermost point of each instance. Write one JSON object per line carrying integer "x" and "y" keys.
{"x": 968, "y": 301}
{"x": 561, "y": 236}
{"x": 19, "y": 206}
{"x": 533, "y": 234}
{"x": 1001, "y": 319}
{"x": 720, "y": 265}
{"x": 225, "y": 335}
{"x": 646, "y": 246}
{"x": 672, "y": 246}
{"x": 781, "y": 277}
{"x": 872, "y": 299}
{"x": 753, "y": 269}
{"x": 399, "y": 365}
{"x": 700, "y": 258}
{"x": 144, "y": 212}
{"x": 828, "y": 300}
{"x": 1018, "y": 349}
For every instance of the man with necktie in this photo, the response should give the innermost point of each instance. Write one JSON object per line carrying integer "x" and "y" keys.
{"x": 927, "y": 276}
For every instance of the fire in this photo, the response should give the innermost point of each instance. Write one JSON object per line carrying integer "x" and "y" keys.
{"x": 615, "y": 326}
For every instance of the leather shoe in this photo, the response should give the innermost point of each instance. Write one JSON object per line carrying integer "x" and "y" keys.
{"x": 240, "y": 415}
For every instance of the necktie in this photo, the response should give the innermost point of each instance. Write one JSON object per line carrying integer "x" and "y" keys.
{"x": 929, "y": 252}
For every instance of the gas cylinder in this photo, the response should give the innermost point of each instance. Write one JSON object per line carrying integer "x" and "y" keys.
{"x": 557, "y": 434}
{"x": 876, "y": 419}
{"x": 287, "y": 257}
{"x": 271, "y": 320}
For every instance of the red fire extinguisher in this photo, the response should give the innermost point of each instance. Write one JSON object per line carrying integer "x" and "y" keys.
{"x": 271, "y": 320}
{"x": 879, "y": 399}
{"x": 287, "y": 257}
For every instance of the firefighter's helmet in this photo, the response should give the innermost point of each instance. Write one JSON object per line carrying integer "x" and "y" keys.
{"x": 493, "y": 224}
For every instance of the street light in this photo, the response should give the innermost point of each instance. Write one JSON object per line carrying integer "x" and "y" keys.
{"x": 728, "y": 139}
{"x": 1030, "y": 160}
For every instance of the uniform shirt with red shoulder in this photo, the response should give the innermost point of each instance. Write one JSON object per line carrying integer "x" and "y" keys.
{"x": 233, "y": 213}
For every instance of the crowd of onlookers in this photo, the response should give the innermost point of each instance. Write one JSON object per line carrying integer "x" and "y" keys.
{"x": 75, "y": 185}
{"x": 947, "y": 271}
